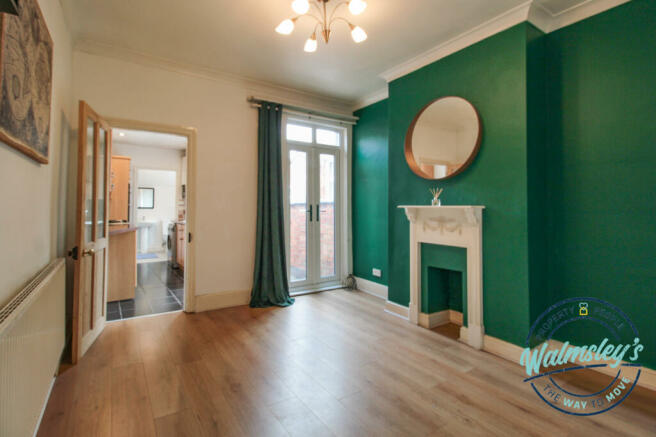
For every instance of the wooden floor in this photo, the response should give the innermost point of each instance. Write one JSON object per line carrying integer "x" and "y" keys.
{"x": 332, "y": 364}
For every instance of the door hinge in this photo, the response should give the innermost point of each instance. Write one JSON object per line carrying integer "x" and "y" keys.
{"x": 74, "y": 253}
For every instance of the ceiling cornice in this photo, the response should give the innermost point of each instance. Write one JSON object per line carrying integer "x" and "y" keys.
{"x": 582, "y": 11}
{"x": 372, "y": 98}
{"x": 530, "y": 10}
{"x": 497, "y": 24}
{"x": 262, "y": 89}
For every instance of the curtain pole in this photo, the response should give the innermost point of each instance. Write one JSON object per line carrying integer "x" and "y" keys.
{"x": 310, "y": 113}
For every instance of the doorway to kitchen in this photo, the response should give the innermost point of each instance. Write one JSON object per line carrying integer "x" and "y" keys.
{"x": 148, "y": 217}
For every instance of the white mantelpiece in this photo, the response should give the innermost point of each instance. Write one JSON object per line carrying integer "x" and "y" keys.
{"x": 460, "y": 226}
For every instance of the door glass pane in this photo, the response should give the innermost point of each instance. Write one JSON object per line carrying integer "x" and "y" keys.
{"x": 299, "y": 133}
{"x": 102, "y": 183}
{"x": 88, "y": 185}
{"x": 327, "y": 214}
{"x": 327, "y": 137}
{"x": 298, "y": 223}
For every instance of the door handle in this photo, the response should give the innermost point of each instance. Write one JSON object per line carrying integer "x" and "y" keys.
{"x": 87, "y": 252}
{"x": 310, "y": 211}
{"x": 318, "y": 217}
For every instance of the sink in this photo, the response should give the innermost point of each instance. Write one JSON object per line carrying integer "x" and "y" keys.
{"x": 146, "y": 235}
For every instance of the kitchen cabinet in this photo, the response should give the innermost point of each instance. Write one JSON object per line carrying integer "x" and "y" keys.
{"x": 122, "y": 280}
{"x": 119, "y": 189}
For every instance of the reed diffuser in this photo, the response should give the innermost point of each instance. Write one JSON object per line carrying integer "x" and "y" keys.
{"x": 436, "y": 196}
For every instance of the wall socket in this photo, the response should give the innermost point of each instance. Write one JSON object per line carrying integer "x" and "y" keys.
{"x": 377, "y": 273}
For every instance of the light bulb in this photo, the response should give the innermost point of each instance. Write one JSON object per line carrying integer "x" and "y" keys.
{"x": 286, "y": 27}
{"x": 301, "y": 7}
{"x": 358, "y": 34}
{"x": 311, "y": 44}
{"x": 357, "y": 6}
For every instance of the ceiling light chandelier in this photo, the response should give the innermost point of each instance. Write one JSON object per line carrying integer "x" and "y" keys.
{"x": 324, "y": 20}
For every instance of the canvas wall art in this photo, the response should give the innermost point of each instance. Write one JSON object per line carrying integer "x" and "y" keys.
{"x": 26, "y": 52}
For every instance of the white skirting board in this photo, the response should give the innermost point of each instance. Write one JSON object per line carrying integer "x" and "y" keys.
{"x": 512, "y": 352}
{"x": 432, "y": 320}
{"x": 455, "y": 317}
{"x": 372, "y": 288}
{"x": 222, "y": 299}
{"x": 396, "y": 310}
{"x": 425, "y": 320}
{"x": 440, "y": 318}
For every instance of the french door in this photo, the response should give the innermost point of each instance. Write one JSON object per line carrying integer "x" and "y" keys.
{"x": 312, "y": 215}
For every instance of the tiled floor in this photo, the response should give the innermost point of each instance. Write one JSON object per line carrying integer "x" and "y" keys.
{"x": 160, "y": 289}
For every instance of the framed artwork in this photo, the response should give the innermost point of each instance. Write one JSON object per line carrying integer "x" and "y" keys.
{"x": 26, "y": 52}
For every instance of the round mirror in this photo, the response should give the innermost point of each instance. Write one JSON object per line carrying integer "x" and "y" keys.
{"x": 443, "y": 139}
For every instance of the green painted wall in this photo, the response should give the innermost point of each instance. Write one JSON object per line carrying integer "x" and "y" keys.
{"x": 369, "y": 185}
{"x": 602, "y": 163}
{"x": 443, "y": 278}
{"x": 536, "y": 166}
{"x": 566, "y": 168}
{"x": 491, "y": 74}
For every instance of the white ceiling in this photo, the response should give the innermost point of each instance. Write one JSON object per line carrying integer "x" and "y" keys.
{"x": 149, "y": 139}
{"x": 238, "y": 37}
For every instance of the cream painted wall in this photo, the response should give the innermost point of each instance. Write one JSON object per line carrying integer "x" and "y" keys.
{"x": 30, "y": 196}
{"x": 150, "y": 157}
{"x": 226, "y": 161}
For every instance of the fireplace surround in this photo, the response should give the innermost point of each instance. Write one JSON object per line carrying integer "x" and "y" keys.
{"x": 459, "y": 226}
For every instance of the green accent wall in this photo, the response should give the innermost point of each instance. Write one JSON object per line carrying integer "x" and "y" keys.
{"x": 536, "y": 166}
{"x": 492, "y": 75}
{"x": 369, "y": 191}
{"x": 602, "y": 163}
{"x": 566, "y": 170}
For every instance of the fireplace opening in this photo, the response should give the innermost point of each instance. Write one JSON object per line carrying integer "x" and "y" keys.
{"x": 445, "y": 289}
{"x": 445, "y": 293}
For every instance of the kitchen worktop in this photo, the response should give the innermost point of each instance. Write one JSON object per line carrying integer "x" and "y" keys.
{"x": 121, "y": 230}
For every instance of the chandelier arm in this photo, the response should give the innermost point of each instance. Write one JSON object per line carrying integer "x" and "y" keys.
{"x": 332, "y": 14}
{"x": 340, "y": 18}
{"x": 315, "y": 3}
{"x": 318, "y": 20}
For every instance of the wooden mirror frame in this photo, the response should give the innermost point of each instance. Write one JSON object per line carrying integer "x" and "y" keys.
{"x": 410, "y": 158}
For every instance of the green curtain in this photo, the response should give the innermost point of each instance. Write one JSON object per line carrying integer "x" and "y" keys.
{"x": 270, "y": 285}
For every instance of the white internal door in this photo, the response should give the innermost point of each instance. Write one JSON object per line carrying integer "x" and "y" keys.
{"x": 313, "y": 205}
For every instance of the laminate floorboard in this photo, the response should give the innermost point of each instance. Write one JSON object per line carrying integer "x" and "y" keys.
{"x": 333, "y": 364}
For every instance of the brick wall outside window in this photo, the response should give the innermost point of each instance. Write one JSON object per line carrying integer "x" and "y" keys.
{"x": 298, "y": 243}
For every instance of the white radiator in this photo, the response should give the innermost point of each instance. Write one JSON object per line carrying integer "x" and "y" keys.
{"x": 32, "y": 337}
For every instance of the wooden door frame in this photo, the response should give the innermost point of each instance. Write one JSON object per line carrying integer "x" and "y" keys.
{"x": 190, "y": 227}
